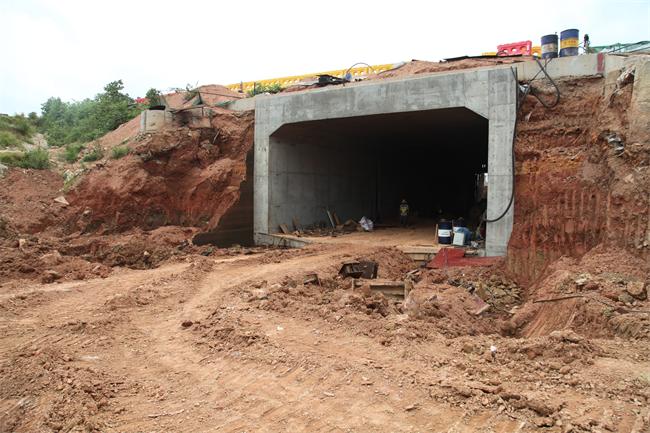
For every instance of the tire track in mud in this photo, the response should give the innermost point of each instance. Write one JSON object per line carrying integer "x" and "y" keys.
{"x": 313, "y": 392}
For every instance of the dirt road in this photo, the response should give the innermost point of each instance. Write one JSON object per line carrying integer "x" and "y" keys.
{"x": 239, "y": 344}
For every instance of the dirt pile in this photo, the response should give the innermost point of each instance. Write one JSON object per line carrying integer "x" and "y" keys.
{"x": 491, "y": 284}
{"x": 27, "y": 203}
{"x": 429, "y": 310}
{"x": 604, "y": 294}
{"x": 39, "y": 259}
{"x": 518, "y": 380}
{"x": 136, "y": 249}
{"x": 210, "y": 94}
{"x": 68, "y": 397}
{"x": 183, "y": 176}
{"x": 415, "y": 67}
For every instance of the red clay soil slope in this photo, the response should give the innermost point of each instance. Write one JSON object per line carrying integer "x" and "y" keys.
{"x": 576, "y": 186}
{"x": 180, "y": 176}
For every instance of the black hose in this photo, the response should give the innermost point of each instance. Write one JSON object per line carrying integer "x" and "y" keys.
{"x": 557, "y": 89}
{"x": 521, "y": 96}
{"x": 514, "y": 135}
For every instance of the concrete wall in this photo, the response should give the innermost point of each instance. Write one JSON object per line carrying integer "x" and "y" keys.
{"x": 153, "y": 120}
{"x": 306, "y": 177}
{"x": 489, "y": 93}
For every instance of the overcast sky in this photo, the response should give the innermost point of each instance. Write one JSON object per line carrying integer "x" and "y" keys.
{"x": 71, "y": 49}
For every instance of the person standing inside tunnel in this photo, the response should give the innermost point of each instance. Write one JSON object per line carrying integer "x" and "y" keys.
{"x": 404, "y": 213}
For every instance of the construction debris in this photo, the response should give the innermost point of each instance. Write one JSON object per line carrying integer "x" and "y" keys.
{"x": 311, "y": 279}
{"x": 62, "y": 200}
{"x": 359, "y": 269}
{"x": 390, "y": 289}
{"x": 567, "y": 305}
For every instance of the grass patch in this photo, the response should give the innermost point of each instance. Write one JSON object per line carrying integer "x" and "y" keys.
{"x": 37, "y": 158}
{"x": 11, "y": 159}
{"x": 7, "y": 139}
{"x": 119, "y": 152}
{"x": 14, "y": 130}
{"x": 71, "y": 152}
{"x": 94, "y": 155}
{"x": 19, "y": 125}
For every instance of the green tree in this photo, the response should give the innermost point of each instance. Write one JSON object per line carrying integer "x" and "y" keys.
{"x": 114, "y": 107}
{"x": 83, "y": 121}
{"x": 154, "y": 97}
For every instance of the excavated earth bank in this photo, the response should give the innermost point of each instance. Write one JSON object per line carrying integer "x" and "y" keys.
{"x": 199, "y": 338}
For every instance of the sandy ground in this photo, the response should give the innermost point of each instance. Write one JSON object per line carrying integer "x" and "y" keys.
{"x": 417, "y": 235}
{"x": 201, "y": 345}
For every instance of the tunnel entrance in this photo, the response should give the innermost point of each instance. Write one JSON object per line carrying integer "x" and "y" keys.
{"x": 342, "y": 146}
{"x": 365, "y": 165}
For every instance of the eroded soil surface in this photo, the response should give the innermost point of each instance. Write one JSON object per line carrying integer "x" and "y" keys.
{"x": 238, "y": 343}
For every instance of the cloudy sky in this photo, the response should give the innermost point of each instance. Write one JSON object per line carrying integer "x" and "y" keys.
{"x": 71, "y": 48}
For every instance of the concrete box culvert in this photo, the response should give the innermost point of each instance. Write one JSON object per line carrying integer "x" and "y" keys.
{"x": 320, "y": 148}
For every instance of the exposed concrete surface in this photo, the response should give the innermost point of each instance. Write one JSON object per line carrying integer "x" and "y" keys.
{"x": 640, "y": 121}
{"x": 244, "y": 104}
{"x": 281, "y": 240}
{"x": 308, "y": 176}
{"x": 490, "y": 93}
{"x": 154, "y": 120}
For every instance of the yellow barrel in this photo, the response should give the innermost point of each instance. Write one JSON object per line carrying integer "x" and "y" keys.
{"x": 569, "y": 42}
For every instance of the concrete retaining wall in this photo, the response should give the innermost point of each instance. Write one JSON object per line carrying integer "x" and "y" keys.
{"x": 153, "y": 120}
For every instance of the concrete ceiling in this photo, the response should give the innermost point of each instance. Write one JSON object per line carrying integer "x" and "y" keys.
{"x": 450, "y": 127}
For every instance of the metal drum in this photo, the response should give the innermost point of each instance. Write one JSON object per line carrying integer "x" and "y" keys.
{"x": 549, "y": 46}
{"x": 444, "y": 232}
{"x": 569, "y": 42}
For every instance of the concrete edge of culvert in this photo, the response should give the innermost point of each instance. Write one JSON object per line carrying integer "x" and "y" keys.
{"x": 280, "y": 240}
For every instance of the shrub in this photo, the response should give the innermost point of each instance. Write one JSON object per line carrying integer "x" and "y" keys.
{"x": 261, "y": 88}
{"x": 23, "y": 126}
{"x": 37, "y": 158}
{"x": 154, "y": 97}
{"x": 69, "y": 179}
{"x": 7, "y": 139}
{"x": 71, "y": 153}
{"x": 11, "y": 158}
{"x": 119, "y": 152}
{"x": 94, "y": 155}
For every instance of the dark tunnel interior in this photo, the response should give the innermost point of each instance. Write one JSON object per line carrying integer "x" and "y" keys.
{"x": 366, "y": 165}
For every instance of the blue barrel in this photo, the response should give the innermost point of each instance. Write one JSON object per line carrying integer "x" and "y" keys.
{"x": 444, "y": 232}
{"x": 549, "y": 46}
{"x": 569, "y": 42}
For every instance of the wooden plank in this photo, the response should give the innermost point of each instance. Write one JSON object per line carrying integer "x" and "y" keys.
{"x": 296, "y": 224}
{"x": 331, "y": 219}
{"x": 393, "y": 289}
{"x": 284, "y": 229}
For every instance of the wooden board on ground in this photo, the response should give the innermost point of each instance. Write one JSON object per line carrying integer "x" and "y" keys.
{"x": 390, "y": 289}
{"x": 421, "y": 254}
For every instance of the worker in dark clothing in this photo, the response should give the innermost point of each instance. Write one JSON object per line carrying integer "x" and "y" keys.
{"x": 404, "y": 213}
